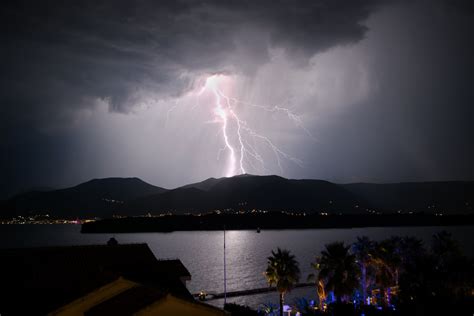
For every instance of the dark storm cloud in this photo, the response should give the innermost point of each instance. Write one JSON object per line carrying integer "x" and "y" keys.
{"x": 60, "y": 58}
{"x": 417, "y": 122}
{"x": 58, "y": 55}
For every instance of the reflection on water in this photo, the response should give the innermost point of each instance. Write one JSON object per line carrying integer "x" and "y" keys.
{"x": 202, "y": 251}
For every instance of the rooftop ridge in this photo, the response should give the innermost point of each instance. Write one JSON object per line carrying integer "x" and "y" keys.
{"x": 76, "y": 246}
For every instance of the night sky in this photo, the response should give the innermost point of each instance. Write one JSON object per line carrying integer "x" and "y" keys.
{"x": 346, "y": 91}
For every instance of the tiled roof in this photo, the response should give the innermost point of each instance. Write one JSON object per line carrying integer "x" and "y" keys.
{"x": 127, "y": 302}
{"x": 50, "y": 277}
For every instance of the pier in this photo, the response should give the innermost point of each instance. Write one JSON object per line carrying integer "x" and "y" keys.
{"x": 208, "y": 296}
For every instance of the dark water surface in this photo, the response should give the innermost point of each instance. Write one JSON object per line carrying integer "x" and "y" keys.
{"x": 202, "y": 251}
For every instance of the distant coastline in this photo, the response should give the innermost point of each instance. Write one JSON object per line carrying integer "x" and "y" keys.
{"x": 105, "y": 198}
{"x": 268, "y": 221}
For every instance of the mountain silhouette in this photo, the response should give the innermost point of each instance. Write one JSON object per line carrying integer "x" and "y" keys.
{"x": 132, "y": 196}
{"x": 97, "y": 197}
{"x": 247, "y": 193}
{"x": 203, "y": 185}
{"x": 430, "y": 197}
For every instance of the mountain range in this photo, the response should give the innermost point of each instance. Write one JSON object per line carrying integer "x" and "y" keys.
{"x": 132, "y": 196}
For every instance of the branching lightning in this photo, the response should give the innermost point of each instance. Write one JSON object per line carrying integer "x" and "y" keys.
{"x": 240, "y": 142}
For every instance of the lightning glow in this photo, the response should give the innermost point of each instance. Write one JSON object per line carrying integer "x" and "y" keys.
{"x": 240, "y": 141}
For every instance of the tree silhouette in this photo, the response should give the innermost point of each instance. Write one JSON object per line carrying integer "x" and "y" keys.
{"x": 283, "y": 272}
{"x": 338, "y": 270}
{"x": 364, "y": 249}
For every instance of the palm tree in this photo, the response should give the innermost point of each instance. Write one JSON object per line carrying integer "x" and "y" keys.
{"x": 415, "y": 270}
{"x": 388, "y": 261}
{"x": 363, "y": 249}
{"x": 411, "y": 251}
{"x": 319, "y": 287}
{"x": 338, "y": 270}
{"x": 452, "y": 273}
{"x": 283, "y": 272}
{"x": 445, "y": 247}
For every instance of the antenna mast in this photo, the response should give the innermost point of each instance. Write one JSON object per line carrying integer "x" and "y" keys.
{"x": 225, "y": 276}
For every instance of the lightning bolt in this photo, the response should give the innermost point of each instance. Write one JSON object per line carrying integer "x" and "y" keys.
{"x": 244, "y": 152}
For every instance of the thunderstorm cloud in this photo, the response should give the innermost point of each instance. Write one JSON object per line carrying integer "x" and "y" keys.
{"x": 383, "y": 89}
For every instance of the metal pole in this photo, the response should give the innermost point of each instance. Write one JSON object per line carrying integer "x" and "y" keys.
{"x": 225, "y": 276}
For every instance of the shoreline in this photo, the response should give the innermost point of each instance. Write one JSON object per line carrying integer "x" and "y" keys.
{"x": 269, "y": 221}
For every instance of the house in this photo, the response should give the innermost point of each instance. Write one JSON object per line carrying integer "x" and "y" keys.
{"x": 124, "y": 297}
{"x": 103, "y": 277}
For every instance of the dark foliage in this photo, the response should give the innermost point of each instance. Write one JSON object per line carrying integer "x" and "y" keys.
{"x": 240, "y": 310}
